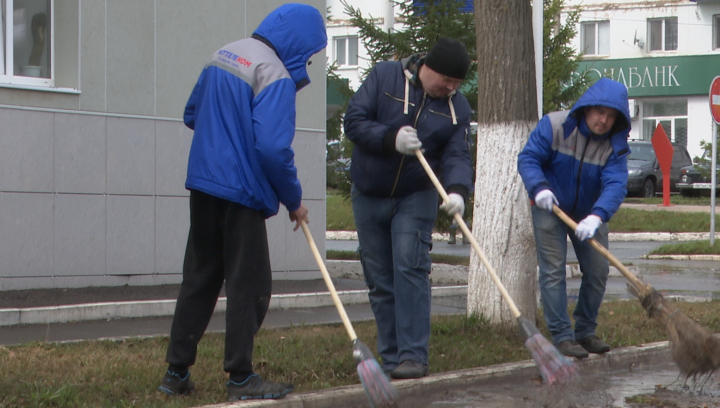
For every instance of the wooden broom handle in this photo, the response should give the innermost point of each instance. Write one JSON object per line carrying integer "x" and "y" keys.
{"x": 468, "y": 235}
{"x": 328, "y": 282}
{"x": 610, "y": 257}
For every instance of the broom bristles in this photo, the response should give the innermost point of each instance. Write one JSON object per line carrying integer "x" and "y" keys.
{"x": 376, "y": 384}
{"x": 555, "y": 368}
{"x": 695, "y": 350}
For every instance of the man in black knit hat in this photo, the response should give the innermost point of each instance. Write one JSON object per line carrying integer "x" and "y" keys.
{"x": 403, "y": 106}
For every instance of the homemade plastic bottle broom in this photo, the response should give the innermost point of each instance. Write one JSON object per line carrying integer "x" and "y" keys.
{"x": 554, "y": 367}
{"x": 376, "y": 384}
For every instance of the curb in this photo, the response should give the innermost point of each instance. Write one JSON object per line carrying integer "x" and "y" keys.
{"x": 613, "y": 236}
{"x": 519, "y": 372}
{"x": 684, "y": 257}
{"x": 158, "y": 308}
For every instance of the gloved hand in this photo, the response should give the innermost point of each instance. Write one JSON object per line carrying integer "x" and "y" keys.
{"x": 406, "y": 141}
{"x": 587, "y": 227}
{"x": 545, "y": 200}
{"x": 455, "y": 205}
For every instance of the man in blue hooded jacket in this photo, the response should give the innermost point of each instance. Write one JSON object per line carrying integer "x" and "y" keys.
{"x": 241, "y": 167}
{"x": 577, "y": 160}
{"x": 403, "y": 106}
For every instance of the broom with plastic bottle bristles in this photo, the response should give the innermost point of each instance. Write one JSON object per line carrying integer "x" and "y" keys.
{"x": 554, "y": 367}
{"x": 376, "y": 384}
{"x": 695, "y": 350}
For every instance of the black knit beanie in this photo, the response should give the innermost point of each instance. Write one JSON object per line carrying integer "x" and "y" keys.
{"x": 448, "y": 57}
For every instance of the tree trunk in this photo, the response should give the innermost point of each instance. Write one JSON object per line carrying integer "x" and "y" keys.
{"x": 507, "y": 112}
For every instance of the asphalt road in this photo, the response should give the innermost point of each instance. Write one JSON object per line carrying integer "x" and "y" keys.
{"x": 624, "y": 251}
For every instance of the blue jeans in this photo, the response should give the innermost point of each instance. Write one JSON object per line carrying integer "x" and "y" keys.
{"x": 395, "y": 237}
{"x": 551, "y": 241}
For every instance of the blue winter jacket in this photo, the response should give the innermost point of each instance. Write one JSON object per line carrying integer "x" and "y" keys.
{"x": 392, "y": 97}
{"x": 587, "y": 173}
{"x": 243, "y": 112}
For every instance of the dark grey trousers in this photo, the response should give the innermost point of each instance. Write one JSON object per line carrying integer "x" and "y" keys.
{"x": 227, "y": 242}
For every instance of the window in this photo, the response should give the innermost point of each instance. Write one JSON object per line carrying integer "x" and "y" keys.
{"x": 716, "y": 31}
{"x": 663, "y": 34}
{"x": 346, "y": 50}
{"x": 672, "y": 115}
{"x": 26, "y": 42}
{"x": 596, "y": 38}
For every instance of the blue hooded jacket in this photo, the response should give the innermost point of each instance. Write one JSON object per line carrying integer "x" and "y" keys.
{"x": 587, "y": 173}
{"x": 243, "y": 112}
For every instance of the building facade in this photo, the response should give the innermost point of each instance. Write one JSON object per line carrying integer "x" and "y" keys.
{"x": 665, "y": 52}
{"x": 345, "y": 48}
{"x": 93, "y": 150}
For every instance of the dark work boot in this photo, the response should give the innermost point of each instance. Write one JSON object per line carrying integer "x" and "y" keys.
{"x": 571, "y": 348}
{"x": 410, "y": 369}
{"x": 594, "y": 345}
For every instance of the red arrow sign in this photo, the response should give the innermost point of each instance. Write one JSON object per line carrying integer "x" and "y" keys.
{"x": 664, "y": 153}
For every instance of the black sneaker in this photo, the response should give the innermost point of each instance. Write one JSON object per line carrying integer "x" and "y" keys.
{"x": 410, "y": 369}
{"x": 257, "y": 388}
{"x": 172, "y": 384}
{"x": 594, "y": 345}
{"x": 571, "y": 348}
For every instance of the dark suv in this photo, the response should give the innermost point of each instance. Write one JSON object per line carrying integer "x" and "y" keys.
{"x": 644, "y": 174}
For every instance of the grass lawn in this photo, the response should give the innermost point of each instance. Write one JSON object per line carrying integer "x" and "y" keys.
{"x": 127, "y": 373}
{"x": 631, "y": 220}
{"x": 685, "y": 248}
{"x": 340, "y": 218}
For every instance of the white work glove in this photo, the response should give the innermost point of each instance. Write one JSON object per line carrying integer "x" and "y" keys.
{"x": 545, "y": 200}
{"x": 587, "y": 227}
{"x": 455, "y": 205}
{"x": 406, "y": 141}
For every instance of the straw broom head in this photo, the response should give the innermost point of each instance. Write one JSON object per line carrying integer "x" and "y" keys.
{"x": 695, "y": 349}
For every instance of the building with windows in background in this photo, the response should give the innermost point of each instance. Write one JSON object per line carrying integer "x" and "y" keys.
{"x": 93, "y": 149}
{"x": 665, "y": 52}
{"x": 345, "y": 47}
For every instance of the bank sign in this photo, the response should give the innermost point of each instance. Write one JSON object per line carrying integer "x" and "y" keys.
{"x": 658, "y": 76}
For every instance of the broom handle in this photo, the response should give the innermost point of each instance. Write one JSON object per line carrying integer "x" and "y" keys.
{"x": 328, "y": 282}
{"x": 468, "y": 235}
{"x": 610, "y": 257}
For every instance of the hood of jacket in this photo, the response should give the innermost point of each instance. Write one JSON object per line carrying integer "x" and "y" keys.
{"x": 608, "y": 93}
{"x": 295, "y": 32}
{"x": 411, "y": 67}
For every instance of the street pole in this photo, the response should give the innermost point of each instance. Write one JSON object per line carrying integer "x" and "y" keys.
{"x": 537, "y": 22}
{"x": 713, "y": 182}
{"x": 715, "y": 113}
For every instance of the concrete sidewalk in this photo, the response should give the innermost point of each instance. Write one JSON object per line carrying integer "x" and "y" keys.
{"x": 522, "y": 375}
{"x": 72, "y": 317}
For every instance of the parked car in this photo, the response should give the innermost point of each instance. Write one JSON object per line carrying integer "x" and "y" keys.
{"x": 696, "y": 179}
{"x": 644, "y": 174}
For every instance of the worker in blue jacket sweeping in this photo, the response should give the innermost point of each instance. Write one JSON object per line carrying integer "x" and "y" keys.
{"x": 577, "y": 160}
{"x": 241, "y": 168}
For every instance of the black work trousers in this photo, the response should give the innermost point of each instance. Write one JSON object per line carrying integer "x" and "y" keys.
{"x": 227, "y": 242}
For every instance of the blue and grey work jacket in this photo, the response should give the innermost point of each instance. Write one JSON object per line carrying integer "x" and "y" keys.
{"x": 586, "y": 172}
{"x": 243, "y": 112}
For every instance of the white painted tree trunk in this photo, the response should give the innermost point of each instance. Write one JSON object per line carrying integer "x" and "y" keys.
{"x": 502, "y": 226}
